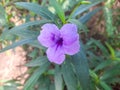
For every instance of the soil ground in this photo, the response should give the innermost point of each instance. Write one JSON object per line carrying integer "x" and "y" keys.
{"x": 12, "y": 64}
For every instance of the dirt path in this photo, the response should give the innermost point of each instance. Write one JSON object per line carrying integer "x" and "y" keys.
{"x": 11, "y": 64}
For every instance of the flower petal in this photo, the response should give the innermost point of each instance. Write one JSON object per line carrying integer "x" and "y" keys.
{"x": 56, "y": 54}
{"x": 48, "y": 34}
{"x": 72, "y": 49}
{"x": 69, "y": 33}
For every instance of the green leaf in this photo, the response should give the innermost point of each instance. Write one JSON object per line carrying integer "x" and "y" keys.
{"x": 105, "y": 86}
{"x": 94, "y": 76}
{"x": 35, "y": 43}
{"x": 1, "y": 88}
{"x": 58, "y": 10}
{"x": 114, "y": 80}
{"x": 44, "y": 83}
{"x": 19, "y": 30}
{"x": 85, "y": 2}
{"x": 20, "y": 33}
{"x": 35, "y": 76}
{"x": 21, "y": 42}
{"x": 83, "y": 8}
{"x": 84, "y": 19}
{"x": 25, "y": 25}
{"x": 2, "y": 16}
{"x": 101, "y": 46}
{"x": 81, "y": 66}
{"x": 111, "y": 72}
{"x": 103, "y": 65}
{"x": 69, "y": 76}
{"x": 34, "y": 53}
{"x": 110, "y": 28}
{"x": 37, "y": 9}
{"x": 10, "y": 88}
{"x": 26, "y": 33}
{"x": 37, "y": 62}
{"x": 94, "y": 60}
{"x": 112, "y": 51}
{"x": 58, "y": 78}
{"x": 52, "y": 87}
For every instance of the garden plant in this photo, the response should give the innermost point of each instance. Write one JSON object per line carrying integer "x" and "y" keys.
{"x": 75, "y": 43}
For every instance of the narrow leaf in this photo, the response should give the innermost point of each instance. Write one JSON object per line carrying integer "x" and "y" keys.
{"x": 85, "y": 18}
{"x": 81, "y": 66}
{"x": 21, "y": 42}
{"x": 101, "y": 46}
{"x": 19, "y": 30}
{"x": 58, "y": 78}
{"x": 110, "y": 27}
{"x": 83, "y": 8}
{"x": 112, "y": 51}
{"x": 44, "y": 83}
{"x": 69, "y": 76}
{"x": 104, "y": 64}
{"x": 26, "y": 33}
{"x": 58, "y": 10}
{"x": 37, "y": 9}
{"x": 35, "y": 43}
{"x": 25, "y": 25}
{"x": 37, "y": 62}
{"x": 2, "y": 16}
{"x": 111, "y": 72}
{"x": 105, "y": 86}
{"x": 35, "y": 76}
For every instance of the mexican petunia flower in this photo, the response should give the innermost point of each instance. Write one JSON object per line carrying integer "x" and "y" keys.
{"x": 59, "y": 42}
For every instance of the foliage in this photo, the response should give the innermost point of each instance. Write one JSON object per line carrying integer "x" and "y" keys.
{"x": 95, "y": 67}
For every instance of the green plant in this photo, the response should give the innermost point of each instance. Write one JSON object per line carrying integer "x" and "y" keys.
{"x": 95, "y": 67}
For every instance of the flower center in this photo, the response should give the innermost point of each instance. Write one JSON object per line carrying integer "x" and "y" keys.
{"x": 59, "y": 41}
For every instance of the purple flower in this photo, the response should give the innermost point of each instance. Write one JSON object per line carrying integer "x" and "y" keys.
{"x": 59, "y": 42}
